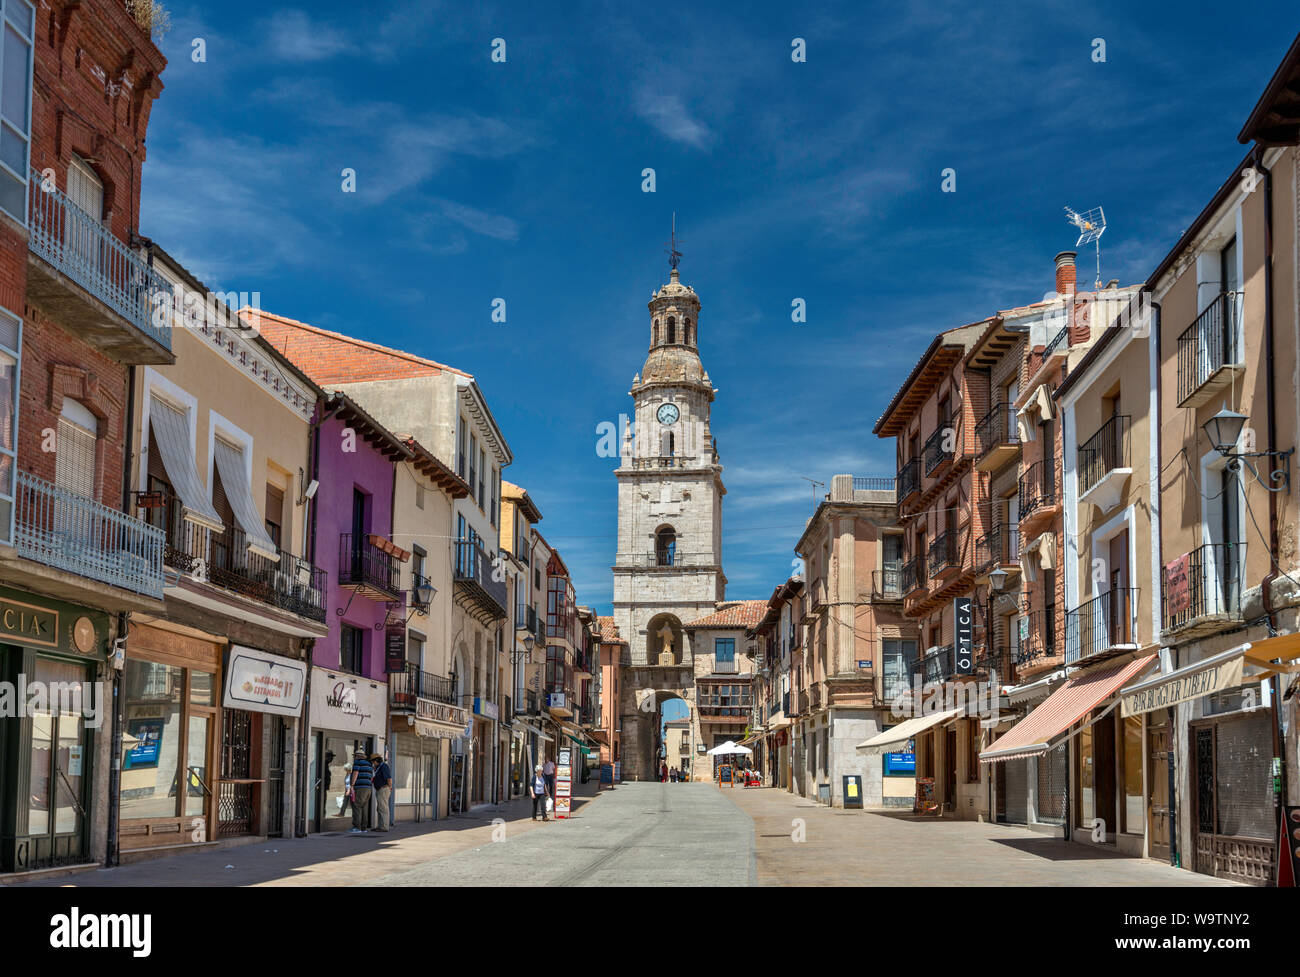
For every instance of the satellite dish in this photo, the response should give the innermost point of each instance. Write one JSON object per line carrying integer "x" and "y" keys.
{"x": 1091, "y": 225}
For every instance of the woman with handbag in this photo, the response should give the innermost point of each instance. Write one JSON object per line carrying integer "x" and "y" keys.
{"x": 539, "y": 792}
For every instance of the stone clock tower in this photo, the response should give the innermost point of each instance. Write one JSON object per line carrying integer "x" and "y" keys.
{"x": 668, "y": 569}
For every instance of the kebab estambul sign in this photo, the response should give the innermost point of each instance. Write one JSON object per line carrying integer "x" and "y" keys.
{"x": 262, "y": 682}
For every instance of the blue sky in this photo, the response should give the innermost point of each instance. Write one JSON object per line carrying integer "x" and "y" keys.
{"x": 818, "y": 180}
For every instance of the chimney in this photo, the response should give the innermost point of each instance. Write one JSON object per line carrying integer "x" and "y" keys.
{"x": 1065, "y": 272}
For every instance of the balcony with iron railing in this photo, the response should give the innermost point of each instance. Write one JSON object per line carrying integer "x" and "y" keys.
{"x": 873, "y": 483}
{"x": 908, "y": 479}
{"x": 1037, "y": 493}
{"x": 667, "y": 559}
{"x": 224, "y": 560}
{"x": 995, "y": 663}
{"x": 367, "y": 569}
{"x": 945, "y": 553}
{"x": 1210, "y": 351}
{"x": 1101, "y": 626}
{"x": 527, "y": 703}
{"x": 1104, "y": 462}
{"x": 479, "y": 585}
{"x": 939, "y": 446}
{"x": 69, "y": 532}
{"x": 887, "y": 582}
{"x": 913, "y": 575}
{"x": 998, "y": 548}
{"x": 92, "y": 283}
{"x": 936, "y": 665}
{"x": 1201, "y": 591}
{"x": 1036, "y": 645}
{"x": 997, "y": 438}
{"x": 1057, "y": 346}
{"x": 411, "y": 684}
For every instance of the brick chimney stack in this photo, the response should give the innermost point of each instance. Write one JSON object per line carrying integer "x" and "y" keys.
{"x": 1065, "y": 272}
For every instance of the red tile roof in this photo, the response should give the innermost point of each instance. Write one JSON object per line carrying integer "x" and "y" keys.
{"x": 330, "y": 357}
{"x": 609, "y": 631}
{"x": 733, "y": 614}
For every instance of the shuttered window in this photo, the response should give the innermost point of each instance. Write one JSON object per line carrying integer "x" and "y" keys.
{"x": 274, "y": 513}
{"x": 74, "y": 449}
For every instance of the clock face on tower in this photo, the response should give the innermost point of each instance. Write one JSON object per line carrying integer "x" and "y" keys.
{"x": 667, "y": 413}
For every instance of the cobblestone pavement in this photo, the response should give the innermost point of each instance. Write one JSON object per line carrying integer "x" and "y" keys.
{"x": 886, "y": 849}
{"x": 655, "y": 834}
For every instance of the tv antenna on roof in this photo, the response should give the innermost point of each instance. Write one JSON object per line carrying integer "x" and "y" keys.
{"x": 1091, "y": 225}
{"x": 813, "y": 486}
{"x": 674, "y": 256}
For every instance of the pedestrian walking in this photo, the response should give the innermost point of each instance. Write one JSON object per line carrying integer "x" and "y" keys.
{"x": 383, "y": 780}
{"x": 548, "y": 771}
{"x": 360, "y": 788}
{"x": 539, "y": 792}
{"x": 663, "y": 773}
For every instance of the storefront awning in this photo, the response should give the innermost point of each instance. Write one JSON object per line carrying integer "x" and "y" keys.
{"x": 906, "y": 730}
{"x": 171, "y": 431}
{"x": 1225, "y": 670}
{"x": 234, "y": 479}
{"x": 535, "y": 731}
{"x": 1039, "y": 688}
{"x": 1041, "y": 729}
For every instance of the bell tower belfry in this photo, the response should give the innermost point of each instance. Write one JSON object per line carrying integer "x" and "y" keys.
{"x": 668, "y": 569}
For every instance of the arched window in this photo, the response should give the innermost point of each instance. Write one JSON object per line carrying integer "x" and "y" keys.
{"x": 672, "y": 330}
{"x": 654, "y": 333}
{"x": 686, "y": 323}
{"x": 666, "y": 547}
{"x": 667, "y": 444}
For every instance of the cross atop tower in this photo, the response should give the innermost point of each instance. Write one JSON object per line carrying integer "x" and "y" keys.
{"x": 674, "y": 256}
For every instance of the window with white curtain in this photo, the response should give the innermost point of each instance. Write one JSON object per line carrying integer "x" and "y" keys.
{"x": 17, "y": 22}
{"x": 74, "y": 449}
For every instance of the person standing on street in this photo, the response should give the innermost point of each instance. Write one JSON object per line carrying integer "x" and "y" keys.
{"x": 539, "y": 792}
{"x": 383, "y": 781}
{"x": 362, "y": 783}
{"x": 548, "y": 771}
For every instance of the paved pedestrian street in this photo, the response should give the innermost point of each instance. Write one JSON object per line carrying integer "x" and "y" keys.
{"x": 652, "y": 834}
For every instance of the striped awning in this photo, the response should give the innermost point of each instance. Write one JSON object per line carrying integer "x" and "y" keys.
{"x": 234, "y": 479}
{"x": 172, "y": 432}
{"x": 1041, "y": 729}
{"x": 905, "y": 731}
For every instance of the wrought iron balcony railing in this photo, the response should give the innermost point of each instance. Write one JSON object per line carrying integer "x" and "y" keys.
{"x": 997, "y": 548}
{"x": 1101, "y": 624}
{"x": 69, "y": 532}
{"x": 411, "y": 684}
{"x": 1209, "y": 344}
{"x": 913, "y": 575}
{"x": 887, "y": 582}
{"x": 527, "y": 703}
{"x": 1209, "y": 591}
{"x": 77, "y": 245}
{"x": 938, "y": 446}
{"x": 365, "y": 566}
{"x": 935, "y": 666}
{"x": 945, "y": 551}
{"x": 996, "y": 428}
{"x": 996, "y": 663}
{"x": 1104, "y": 451}
{"x": 672, "y": 557}
{"x": 909, "y": 478}
{"x": 873, "y": 483}
{"x": 1037, "y": 641}
{"x": 1037, "y": 486}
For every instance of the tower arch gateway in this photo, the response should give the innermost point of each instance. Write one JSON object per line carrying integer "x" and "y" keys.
{"x": 668, "y": 567}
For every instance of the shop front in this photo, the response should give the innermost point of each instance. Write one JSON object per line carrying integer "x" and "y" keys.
{"x": 170, "y": 726}
{"x": 348, "y": 713}
{"x": 1218, "y": 714}
{"x": 54, "y": 739}
{"x": 262, "y": 697}
{"x": 421, "y": 751}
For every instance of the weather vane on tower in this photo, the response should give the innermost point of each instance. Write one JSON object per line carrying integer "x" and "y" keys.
{"x": 674, "y": 256}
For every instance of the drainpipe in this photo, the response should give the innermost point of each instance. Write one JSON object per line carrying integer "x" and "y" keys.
{"x": 301, "y": 826}
{"x": 113, "y": 839}
{"x": 1275, "y": 686}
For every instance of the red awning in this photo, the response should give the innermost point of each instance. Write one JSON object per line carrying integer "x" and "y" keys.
{"x": 1034, "y": 735}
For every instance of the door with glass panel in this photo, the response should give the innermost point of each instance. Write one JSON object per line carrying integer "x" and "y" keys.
{"x": 59, "y": 758}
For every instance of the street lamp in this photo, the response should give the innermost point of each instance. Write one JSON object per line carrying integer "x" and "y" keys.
{"x": 1224, "y": 430}
{"x": 517, "y": 656}
{"x": 997, "y": 578}
{"x": 424, "y": 592}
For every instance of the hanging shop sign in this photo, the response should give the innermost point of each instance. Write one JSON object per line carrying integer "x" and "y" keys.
{"x": 1178, "y": 586}
{"x": 39, "y": 623}
{"x": 1192, "y": 682}
{"x": 963, "y": 621}
{"x": 348, "y": 703}
{"x": 395, "y": 648}
{"x": 261, "y": 682}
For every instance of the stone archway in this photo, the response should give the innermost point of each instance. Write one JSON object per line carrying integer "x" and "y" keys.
{"x": 645, "y": 690}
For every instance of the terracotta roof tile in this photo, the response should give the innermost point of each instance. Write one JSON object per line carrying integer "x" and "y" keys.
{"x": 330, "y": 357}
{"x": 733, "y": 614}
{"x": 609, "y": 631}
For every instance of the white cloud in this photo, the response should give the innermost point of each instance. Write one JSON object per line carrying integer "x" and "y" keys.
{"x": 668, "y": 114}
{"x": 293, "y": 36}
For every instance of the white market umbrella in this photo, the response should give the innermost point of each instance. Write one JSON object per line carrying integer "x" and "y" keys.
{"x": 727, "y": 749}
